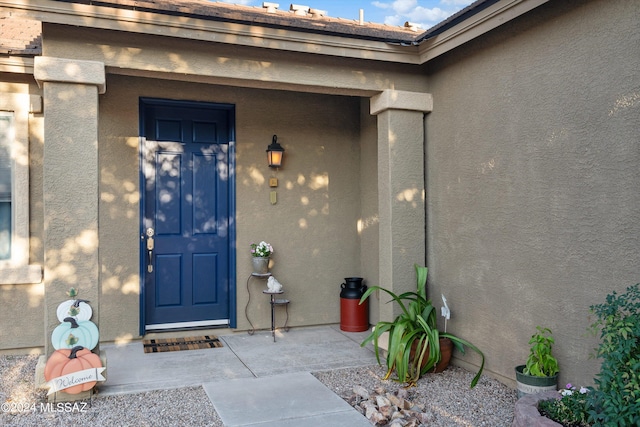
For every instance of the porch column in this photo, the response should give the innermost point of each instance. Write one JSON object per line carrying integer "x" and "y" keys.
{"x": 401, "y": 198}
{"x": 70, "y": 176}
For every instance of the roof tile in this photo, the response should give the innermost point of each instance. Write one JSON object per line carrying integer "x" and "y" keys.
{"x": 20, "y": 36}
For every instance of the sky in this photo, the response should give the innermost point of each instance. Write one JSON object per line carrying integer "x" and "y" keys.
{"x": 426, "y": 13}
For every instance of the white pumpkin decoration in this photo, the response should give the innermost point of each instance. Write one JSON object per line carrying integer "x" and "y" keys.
{"x": 78, "y": 309}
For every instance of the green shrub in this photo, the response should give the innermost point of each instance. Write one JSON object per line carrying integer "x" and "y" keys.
{"x": 616, "y": 399}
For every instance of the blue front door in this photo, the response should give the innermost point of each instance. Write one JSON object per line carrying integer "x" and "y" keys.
{"x": 186, "y": 163}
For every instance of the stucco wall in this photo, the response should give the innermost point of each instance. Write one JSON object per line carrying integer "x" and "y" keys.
{"x": 368, "y": 223}
{"x": 119, "y": 211}
{"x": 313, "y": 226}
{"x": 532, "y": 177}
{"x": 26, "y": 301}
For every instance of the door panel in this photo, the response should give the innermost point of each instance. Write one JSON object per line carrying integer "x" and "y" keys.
{"x": 186, "y": 202}
{"x": 167, "y": 191}
{"x": 167, "y": 285}
{"x": 204, "y": 266}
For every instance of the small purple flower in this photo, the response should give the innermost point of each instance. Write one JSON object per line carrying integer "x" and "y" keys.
{"x": 569, "y": 386}
{"x": 584, "y": 390}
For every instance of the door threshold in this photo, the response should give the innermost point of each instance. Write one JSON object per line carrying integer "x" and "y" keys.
{"x": 187, "y": 325}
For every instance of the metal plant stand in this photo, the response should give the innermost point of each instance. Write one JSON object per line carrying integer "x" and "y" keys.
{"x": 273, "y": 302}
{"x": 246, "y": 308}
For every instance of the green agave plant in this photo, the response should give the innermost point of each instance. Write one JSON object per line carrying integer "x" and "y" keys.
{"x": 416, "y": 324}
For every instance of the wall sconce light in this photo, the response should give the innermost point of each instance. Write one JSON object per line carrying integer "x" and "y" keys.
{"x": 275, "y": 153}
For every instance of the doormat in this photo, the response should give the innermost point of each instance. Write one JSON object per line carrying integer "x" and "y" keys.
{"x": 177, "y": 344}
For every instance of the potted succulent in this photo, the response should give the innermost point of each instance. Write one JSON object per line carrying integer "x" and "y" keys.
{"x": 540, "y": 372}
{"x": 415, "y": 345}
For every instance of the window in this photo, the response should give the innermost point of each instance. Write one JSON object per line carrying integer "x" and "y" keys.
{"x": 14, "y": 188}
{"x": 6, "y": 136}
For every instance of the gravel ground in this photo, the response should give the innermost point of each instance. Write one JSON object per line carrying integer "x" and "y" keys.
{"x": 447, "y": 396}
{"x": 21, "y": 404}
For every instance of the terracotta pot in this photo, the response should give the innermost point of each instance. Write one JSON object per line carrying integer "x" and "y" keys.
{"x": 446, "y": 349}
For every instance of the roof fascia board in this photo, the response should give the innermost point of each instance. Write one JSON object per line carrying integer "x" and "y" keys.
{"x": 476, "y": 25}
{"x": 208, "y": 30}
{"x": 16, "y": 64}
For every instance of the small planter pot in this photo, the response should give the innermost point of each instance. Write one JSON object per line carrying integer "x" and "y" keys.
{"x": 446, "y": 349}
{"x": 529, "y": 384}
{"x": 260, "y": 265}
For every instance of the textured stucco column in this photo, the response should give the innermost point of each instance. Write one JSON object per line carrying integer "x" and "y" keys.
{"x": 70, "y": 177}
{"x": 401, "y": 200}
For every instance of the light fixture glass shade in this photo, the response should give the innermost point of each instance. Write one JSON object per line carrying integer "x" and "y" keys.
{"x": 275, "y": 153}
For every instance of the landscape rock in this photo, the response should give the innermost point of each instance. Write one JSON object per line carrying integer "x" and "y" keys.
{"x": 446, "y": 397}
{"x": 382, "y": 401}
{"x": 361, "y": 392}
{"x": 526, "y": 412}
{"x": 386, "y": 409}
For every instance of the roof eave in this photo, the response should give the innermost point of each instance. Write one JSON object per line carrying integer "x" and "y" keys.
{"x": 213, "y": 30}
{"x": 479, "y": 18}
{"x": 471, "y": 22}
{"x": 256, "y": 17}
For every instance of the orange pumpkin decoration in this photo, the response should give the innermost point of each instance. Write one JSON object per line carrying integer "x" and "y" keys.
{"x": 68, "y": 361}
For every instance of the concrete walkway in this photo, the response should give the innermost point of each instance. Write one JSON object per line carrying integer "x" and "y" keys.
{"x": 251, "y": 380}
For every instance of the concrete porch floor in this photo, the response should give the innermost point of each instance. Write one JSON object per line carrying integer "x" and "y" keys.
{"x": 265, "y": 382}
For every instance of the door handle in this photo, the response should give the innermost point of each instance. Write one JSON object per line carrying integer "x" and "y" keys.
{"x": 150, "y": 245}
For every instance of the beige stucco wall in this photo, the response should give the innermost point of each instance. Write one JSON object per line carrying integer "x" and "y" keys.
{"x": 326, "y": 214}
{"x": 324, "y": 183}
{"x": 26, "y": 301}
{"x": 119, "y": 212}
{"x": 532, "y": 184}
{"x": 369, "y": 222}
{"x": 313, "y": 226}
{"x": 531, "y": 174}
